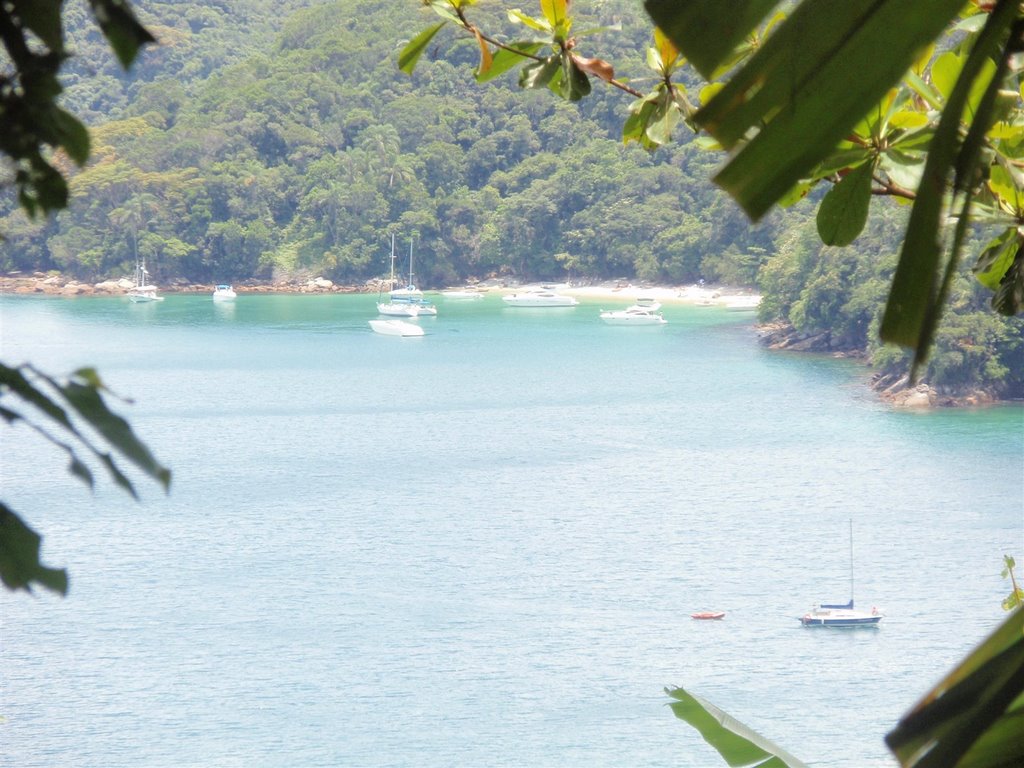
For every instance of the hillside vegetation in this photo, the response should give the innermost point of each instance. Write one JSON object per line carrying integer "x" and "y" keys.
{"x": 251, "y": 146}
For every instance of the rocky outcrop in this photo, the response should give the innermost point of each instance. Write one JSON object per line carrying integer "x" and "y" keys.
{"x": 892, "y": 389}
{"x": 783, "y": 336}
{"x": 900, "y": 393}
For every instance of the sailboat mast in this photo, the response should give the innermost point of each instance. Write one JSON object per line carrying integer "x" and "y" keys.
{"x": 411, "y": 283}
{"x": 851, "y": 559}
{"x": 392, "y": 285}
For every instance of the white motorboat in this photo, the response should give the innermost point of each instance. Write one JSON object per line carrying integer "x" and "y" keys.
{"x": 541, "y": 297}
{"x": 142, "y": 291}
{"x": 467, "y": 294}
{"x": 393, "y": 327}
{"x": 844, "y": 614}
{"x": 224, "y": 293}
{"x": 638, "y": 314}
{"x": 742, "y": 303}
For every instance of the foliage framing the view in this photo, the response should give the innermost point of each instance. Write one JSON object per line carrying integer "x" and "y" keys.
{"x": 44, "y": 404}
{"x": 32, "y": 32}
{"x": 34, "y": 126}
{"x": 946, "y": 133}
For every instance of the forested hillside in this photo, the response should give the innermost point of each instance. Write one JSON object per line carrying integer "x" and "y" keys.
{"x": 267, "y": 139}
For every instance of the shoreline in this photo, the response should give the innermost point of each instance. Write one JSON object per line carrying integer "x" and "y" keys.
{"x": 704, "y": 295}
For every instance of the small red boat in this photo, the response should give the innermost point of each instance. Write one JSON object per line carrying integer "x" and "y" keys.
{"x": 708, "y": 615}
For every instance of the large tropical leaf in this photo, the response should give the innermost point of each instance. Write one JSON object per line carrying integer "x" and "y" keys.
{"x": 738, "y": 745}
{"x": 709, "y": 31}
{"x": 974, "y": 718}
{"x": 809, "y": 84}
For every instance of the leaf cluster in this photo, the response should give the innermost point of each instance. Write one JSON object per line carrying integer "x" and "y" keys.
{"x": 73, "y": 416}
{"x": 35, "y": 126}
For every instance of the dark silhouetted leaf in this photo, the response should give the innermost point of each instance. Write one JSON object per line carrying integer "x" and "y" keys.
{"x": 88, "y": 403}
{"x": 913, "y": 307}
{"x": 703, "y": 30}
{"x": 973, "y": 717}
{"x": 122, "y": 30}
{"x": 20, "y": 566}
{"x": 43, "y": 18}
{"x": 803, "y": 105}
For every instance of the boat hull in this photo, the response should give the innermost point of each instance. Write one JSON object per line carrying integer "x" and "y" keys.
{"x": 840, "y": 618}
{"x": 624, "y": 318}
{"x": 398, "y": 309}
{"x": 395, "y": 328}
{"x": 708, "y": 615}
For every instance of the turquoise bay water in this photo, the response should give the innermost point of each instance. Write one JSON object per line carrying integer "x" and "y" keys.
{"x": 481, "y": 547}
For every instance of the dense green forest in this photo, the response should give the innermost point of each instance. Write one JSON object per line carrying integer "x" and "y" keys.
{"x": 268, "y": 140}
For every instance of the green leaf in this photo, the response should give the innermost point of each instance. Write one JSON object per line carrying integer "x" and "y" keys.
{"x": 515, "y": 15}
{"x": 1009, "y": 299}
{"x": 122, "y": 30}
{"x": 703, "y": 31}
{"x": 1007, "y": 189}
{"x": 539, "y": 73}
{"x": 945, "y": 70}
{"x": 18, "y": 383}
{"x": 504, "y": 59}
{"x": 808, "y": 103}
{"x": 20, "y": 566}
{"x": 913, "y": 307}
{"x": 574, "y": 84}
{"x": 411, "y": 53}
{"x": 662, "y": 122}
{"x": 844, "y": 210}
{"x": 973, "y": 717}
{"x": 902, "y": 168}
{"x": 736, "y": 743}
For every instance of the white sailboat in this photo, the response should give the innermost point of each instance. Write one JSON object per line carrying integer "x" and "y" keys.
{"x": 410, "y": 294}
{"x": 142, "y": 291}
{"x": 843, "y": 614}
{"x": 400, "y": 304}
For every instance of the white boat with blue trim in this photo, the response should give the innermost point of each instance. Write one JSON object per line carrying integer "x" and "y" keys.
{"x": 224, "y": 292}
{"x": 841, "y": 614}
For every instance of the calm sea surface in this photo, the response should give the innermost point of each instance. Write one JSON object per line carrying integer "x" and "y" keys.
{"x": 481, "y": 547}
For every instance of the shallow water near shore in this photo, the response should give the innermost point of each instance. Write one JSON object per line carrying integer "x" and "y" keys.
{"x": 483, "y": 546}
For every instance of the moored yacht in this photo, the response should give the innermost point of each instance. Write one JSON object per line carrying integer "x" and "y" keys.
{"x": 539, "y": 297}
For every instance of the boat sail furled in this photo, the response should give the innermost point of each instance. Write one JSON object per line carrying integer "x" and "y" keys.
{"x": 842, "y": 614}
{"x": 142, "y": 291}
{"x": 408, "y": 301}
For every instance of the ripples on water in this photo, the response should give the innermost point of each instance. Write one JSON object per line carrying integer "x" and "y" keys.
{"x": 482, "y": 547}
